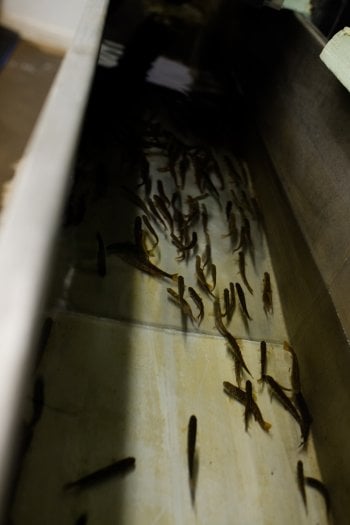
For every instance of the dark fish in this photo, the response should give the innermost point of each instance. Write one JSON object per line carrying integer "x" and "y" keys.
{"x": 228, "y": 209}
{"x": 267, "y": 294}
{"x": 184, "y": 165}
{"x": 43, "y": 339}
{"x": 213, "y": 275}
{"x": 241, "y": 396}
{"x": 233, "y": 298}
{"x": 218, "y": 315}
{"x": 216, "y": 169}
{"x": 184, "y": 247}
{"x": 191, "y": 452}
{"x": 101, "y": 256}
{"x": 38, "y": 401}
{"x": 295, "y": 376}
{"x": 233, "y": 346}
{"x": 138, "y": 235}
{"x": 227, "y": 304}
{"x": 82, "y": 520}
{"x": 162, "y": 193}
{"x": 248, "y": 203}
{"x": 321, "y": 488}
{"x": 238, "y": 369}
{"x": 145, "y": 176}
{"x": 235, "y": 176}
{"x": 135, "y": 199}
{"x": 257, "y": 212}
{"x": 247, "y": 232}
{"x": 241, "y": 263}
{"x": 182, "y": 303}
{"x": 156, "y": 215}
{"x": 306, "y": 418}
{"x": 152, "y": 231}
{"x": 243, "y": 240}
{"x": 201, "y": 277}
{"x": 232, "y": 230}
{"x": 181, "y": 286}
{"x": 301, "y": 481}
{"x": 164, "y": 211}
{"x": 198, "y": 302}
{"x": 241, "y": 298}
{"x": 281, "y": 396}
{"x": 248, "y": 403}
{"x": 205, "y": 219}
{"x": 129, "y": 253}
{"x": 193, "y": 214}
{"x": 207, "y": 252}
{"x": 119, "y": 468}
{"x": 263, "y": 362}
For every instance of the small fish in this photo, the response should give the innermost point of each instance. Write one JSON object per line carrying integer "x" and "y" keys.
{"x": 321, "y": 488}
{"x": 135, "y": 199}
{"x": 182, "y": 303}
{"x": 162, "y": 193}
{"x": 248, "y": 403}
{"x": 156, "y": 215}
{"x": 227, "y": 303}
{"x": 213, "y": 275}
{"x": 145, "y": 176}
{"x": 241, "y": 298}
{"x": 241, "y": 396}
{"x": 43, "y": 339}
{"x": 257, "y": 212}
{"x": 82, "y": 520}
{"x": 193, "y": 214}
{"x": 201, "y": 277}
{"x": 205, "y": 219}
{"x": 295, "y": 376}
{"x": 138, "y": 235}
{"x": 152, "y": 231}
{"x": 181, "y": 286}
{"x": 216, "y": 169}
{"x": 207, "y": 252}
{"x": 191, "y": 453}
{"x": 267, "y": 294}
{"x": 301, "y": 481}
{"x": 184, "y": 247}
{"x": 233, "y": 346}
{"x": 243, "y": 240}
{"x": 101, "y": 256}
{"x": 235, "y": 176}
{"x": 38, "y": 401}
{"x": 121, "y": 467}
{"x": 306, "y": 418}
{"x": 238, "y": 369}
{"x": 184, "y": 165}
{"x": 281, "y": 396}
{"x": 218, "y": 315}
{"x": 232, "y": 230}
{"x": 263, "y": 362}
{"x": 198, "y": 302}
{"x": 129, "y": 253}
{"x": 241, "y": 263}
{"x": 247, "y": 232}
{"x": 233, "y": 298}
{"x": 228, "y": 209}
{"x": 159, "y": 203}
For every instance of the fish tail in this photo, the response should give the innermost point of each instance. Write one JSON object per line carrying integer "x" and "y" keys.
{"x": 266, "y": 426}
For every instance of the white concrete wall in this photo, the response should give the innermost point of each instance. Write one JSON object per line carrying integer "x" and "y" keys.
{"x": 46, "y": 22}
